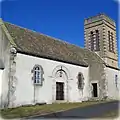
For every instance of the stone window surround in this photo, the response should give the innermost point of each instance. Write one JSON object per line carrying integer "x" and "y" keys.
{"x": 93, "y": 44}
{"x": 40, "y": 70}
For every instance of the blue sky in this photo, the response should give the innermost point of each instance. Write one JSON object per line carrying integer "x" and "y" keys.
{"x": 63, "y": 19}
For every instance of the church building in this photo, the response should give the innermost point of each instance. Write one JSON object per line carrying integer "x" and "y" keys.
{"x": 36, "y": 68}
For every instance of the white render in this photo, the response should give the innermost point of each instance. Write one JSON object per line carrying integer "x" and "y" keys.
{"x": 47, "y": 92}
{"x": 113, "y": 91}
{"x": 0, "y": 83}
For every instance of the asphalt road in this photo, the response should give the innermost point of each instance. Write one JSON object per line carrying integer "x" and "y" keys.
{"x": 85, "y": 112}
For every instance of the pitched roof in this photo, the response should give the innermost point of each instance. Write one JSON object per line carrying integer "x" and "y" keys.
{"x": 37, "y": 44}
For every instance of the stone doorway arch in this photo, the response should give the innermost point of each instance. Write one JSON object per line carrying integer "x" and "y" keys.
{"x": 60, "y": 84}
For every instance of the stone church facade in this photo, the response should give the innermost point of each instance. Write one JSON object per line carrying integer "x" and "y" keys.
{"x": 36, "y": 68}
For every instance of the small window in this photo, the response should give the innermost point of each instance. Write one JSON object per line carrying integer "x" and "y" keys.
{"x": 91, "y": 32}
{"x": 96, "y": 31}
{"x": 116, "y": 80}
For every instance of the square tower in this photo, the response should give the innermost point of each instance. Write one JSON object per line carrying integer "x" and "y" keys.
{"x": 100, "y": 37}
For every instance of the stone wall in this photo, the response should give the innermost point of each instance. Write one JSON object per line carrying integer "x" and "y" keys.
{"x": 104, "y": 24}
{"x": 5, "y": 57}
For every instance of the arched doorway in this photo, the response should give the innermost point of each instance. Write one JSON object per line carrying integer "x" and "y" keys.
{"x": 60, "y": 84}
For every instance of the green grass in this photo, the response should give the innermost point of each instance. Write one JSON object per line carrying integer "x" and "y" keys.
{"x": 25, "y": 111}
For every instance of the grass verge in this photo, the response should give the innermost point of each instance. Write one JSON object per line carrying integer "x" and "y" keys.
{"x": 25, "y": 111}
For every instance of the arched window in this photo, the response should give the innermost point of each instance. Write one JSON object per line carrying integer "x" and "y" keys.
{"x": 37, "y": 74}
{"x": 80, "y": 81}
{"x": 94, "y": 40}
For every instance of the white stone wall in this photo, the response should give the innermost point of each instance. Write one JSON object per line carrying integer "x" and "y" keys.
{"x": 46, "y": 93}
{"x": 113, "y": 91}
{"x": 0, "y": 85}
{"x": 4, "y": 88}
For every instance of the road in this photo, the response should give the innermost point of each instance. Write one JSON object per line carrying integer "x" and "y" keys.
{"x": 85, "y": 112}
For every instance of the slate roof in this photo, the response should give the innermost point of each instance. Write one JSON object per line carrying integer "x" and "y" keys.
{"x": 40, "y": 45}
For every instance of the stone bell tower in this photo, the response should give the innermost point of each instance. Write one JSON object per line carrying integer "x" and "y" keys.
{"x": 100, "y": 37}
